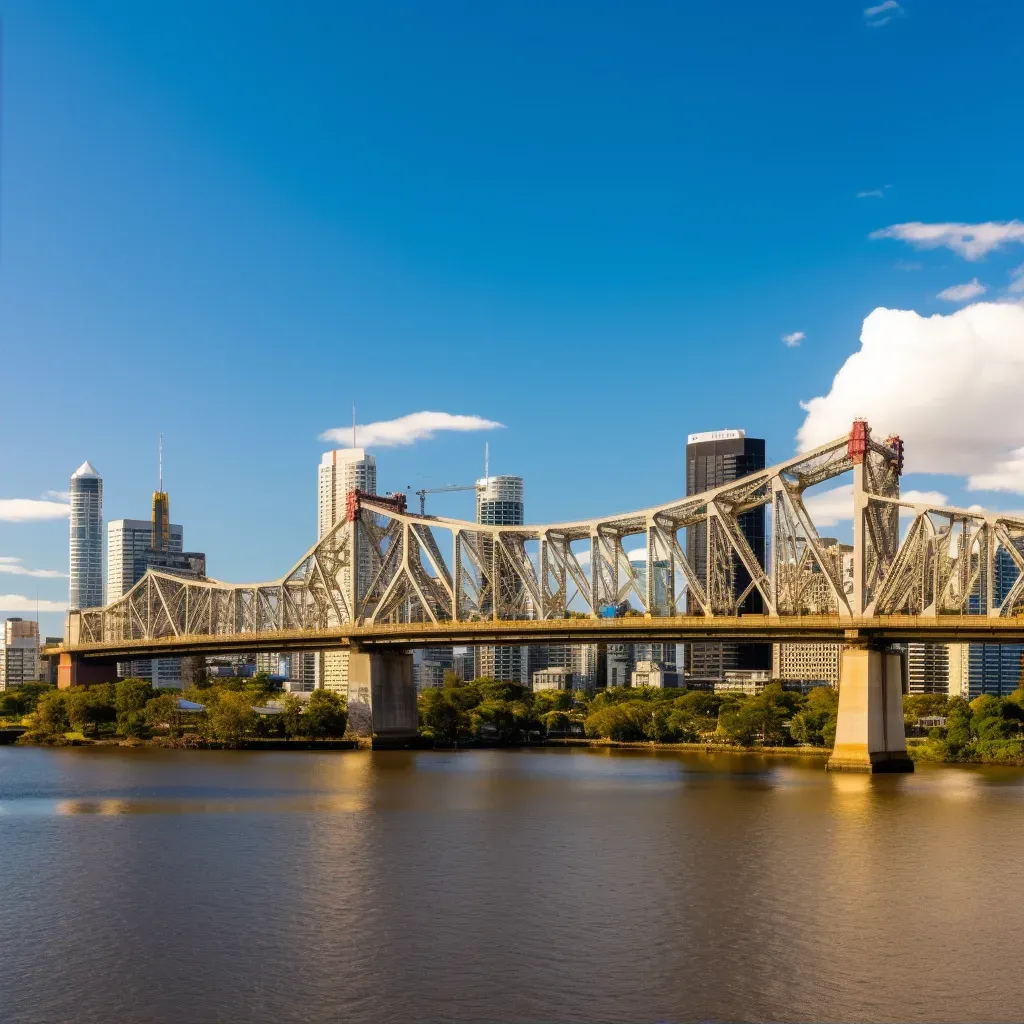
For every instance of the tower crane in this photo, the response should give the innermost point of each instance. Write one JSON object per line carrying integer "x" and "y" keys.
{"x": 422, "y": 494}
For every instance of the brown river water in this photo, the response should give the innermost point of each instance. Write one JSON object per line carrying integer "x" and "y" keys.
{"x": 540, "y": 885}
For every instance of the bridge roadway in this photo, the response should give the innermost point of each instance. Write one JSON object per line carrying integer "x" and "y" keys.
{"x": 876, "y": 631}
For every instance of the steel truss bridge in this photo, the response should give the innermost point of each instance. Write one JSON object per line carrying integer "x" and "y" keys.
{"x": 384, "y": 577}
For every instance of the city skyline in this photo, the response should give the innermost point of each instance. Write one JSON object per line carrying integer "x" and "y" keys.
{"x": 776, "y": 245}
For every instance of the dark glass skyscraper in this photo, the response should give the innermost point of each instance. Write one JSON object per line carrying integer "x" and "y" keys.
{"x": 715, "y": 458}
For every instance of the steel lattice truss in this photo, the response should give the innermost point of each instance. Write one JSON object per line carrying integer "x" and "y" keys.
{"x": 384, "y": 565}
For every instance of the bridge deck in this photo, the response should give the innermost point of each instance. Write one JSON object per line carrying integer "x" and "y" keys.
{"x": 631, "y": 629}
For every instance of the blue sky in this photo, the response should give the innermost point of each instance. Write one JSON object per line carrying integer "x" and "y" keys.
{"x": 590, "y": 222}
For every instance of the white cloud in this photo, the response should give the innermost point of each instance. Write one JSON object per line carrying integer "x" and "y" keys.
{"x": 963, "y": 292}
{"x": 949, "y": 385}
{"x": 794, "y": 339}
{"x": 883, "y": 13}
{"x": 874, "y": 193}
{"x": 829, "y": 508}
{"x": 12, "y": 566}
{"x": 58, "y": 495}
{"x": 417, "y": 426}
{"x": 972, "y": 241}
{"x": 1017, "y": 279}
{"x": 29, "y": 510}
{"x": 20, "y": 603}
{"x": 637, "y": 555}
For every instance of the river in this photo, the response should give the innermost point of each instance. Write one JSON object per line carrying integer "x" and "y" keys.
{"x": 188, "y": 886}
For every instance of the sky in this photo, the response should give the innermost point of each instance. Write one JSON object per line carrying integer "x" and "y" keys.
{"x": 574, "y": 231}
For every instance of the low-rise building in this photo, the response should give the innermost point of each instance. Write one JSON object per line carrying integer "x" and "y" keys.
{"x": 555, "y": 677}
{"x": 654, "y": 673}
{"x": 19, "y": 655}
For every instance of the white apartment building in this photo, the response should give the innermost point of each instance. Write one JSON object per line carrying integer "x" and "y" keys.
{"x": 818, "y": 663}
{"x": 19, "y": 655}
{"x": 341, "y": 472}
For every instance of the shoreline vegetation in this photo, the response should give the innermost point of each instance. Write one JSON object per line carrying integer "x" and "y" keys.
{"x": 252, "y": 714}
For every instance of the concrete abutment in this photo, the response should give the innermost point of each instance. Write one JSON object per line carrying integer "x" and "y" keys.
{"x": 869, "y": 731}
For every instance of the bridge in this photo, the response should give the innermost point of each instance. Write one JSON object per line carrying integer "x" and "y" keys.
{"x": 384, "y": 581}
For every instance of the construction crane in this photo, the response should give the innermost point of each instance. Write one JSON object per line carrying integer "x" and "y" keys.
{"x": 422, "y": 494}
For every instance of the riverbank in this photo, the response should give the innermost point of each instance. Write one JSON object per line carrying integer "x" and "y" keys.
{"x": 711, "y": 748}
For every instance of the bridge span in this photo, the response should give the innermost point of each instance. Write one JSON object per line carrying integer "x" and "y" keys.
{"x": 384, "y": 581}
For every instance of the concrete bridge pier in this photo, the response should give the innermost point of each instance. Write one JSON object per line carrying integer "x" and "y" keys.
{"x": 74, "y": 670}
{"x": 382, "y": 697}
{"x": 869, "y": 732}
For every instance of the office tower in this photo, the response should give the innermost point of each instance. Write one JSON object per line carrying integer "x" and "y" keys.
{"x": 341, "y": 472}
{"x": 996, "y": 668}
{"x": 430, "y": 665}
{"x": 130, "y": 553}
{"x": 86, "y": 587}
{"x": 19, "y": 656}
{"x": 713, "y": 459}
{"x": 499, "y": 502}
{"x": 128, "y": 549}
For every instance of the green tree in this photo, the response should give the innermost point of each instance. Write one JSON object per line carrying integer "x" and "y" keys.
{"x": 51, "y": 714}
{"x": 89, "y": 707}
{"x": 816, "y": 723}
{"x": 291, "y": 715}
{"x": 164, "y": 711}
{"x": 325, "y": 717}
{"x": 231, "y": 718}
{"x": 131, "y": 697}
{"x": 624, "y": 722}
{"x": 441, "y": 714}
{"x": 958, "y": 727}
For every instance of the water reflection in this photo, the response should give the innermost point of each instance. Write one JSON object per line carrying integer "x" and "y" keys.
{"x": 534, "y": 885}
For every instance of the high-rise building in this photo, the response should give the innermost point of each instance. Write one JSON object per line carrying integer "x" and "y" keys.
{"x": 129, "y": 545}
{"x": 86, "y": 587}
{"x": 499, "y": 502}
{"x": 928, "y": 668}
{"x": 996, "y": 668}
{"x": 130, "y": 552}
{"x": 341, "y": 472}
{"x": 807, "y": 663}
{"x": 713, "y": 459}
{"x": 19, "y": 655}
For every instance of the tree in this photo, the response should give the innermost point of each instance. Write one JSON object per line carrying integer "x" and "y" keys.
{"x": 291, "y": 715}
{"x": 164, "y": 710}
{"x": 131, "y": 697}
{"x": 325, "y": 716}
{"x": 51, "y": 715}
{"x": 816, "y": 723}
{"x": 231, "y": 717}
{"x": 958, "y": 726}
{"x": 89, "y": 706}
{"x": 624, "y": 722}
{"x": 441, "y": 714}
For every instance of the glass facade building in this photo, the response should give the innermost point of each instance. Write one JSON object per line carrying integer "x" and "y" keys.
{"x": 86, "y": 549}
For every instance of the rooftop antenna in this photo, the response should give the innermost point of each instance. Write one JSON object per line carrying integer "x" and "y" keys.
{"x": 353, "y": 424}
{"x": 160, "y": 464}
{"x": 487, "y": 460}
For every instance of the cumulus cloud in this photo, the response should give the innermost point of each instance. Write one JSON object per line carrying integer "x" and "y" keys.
{"x": 20, "y": 603}
{"x": 834, "y": 506}
{"x": 30, "y": 510}
{"x": 417, "y": 426}
{"x": 963, "y": 292}
{"x": 13, "y": 567}
{"x": 972, "y": 241}
{"x": 794, "y": 339}
{"x": 883, "y": 13}
{"x": 949, "y": 385}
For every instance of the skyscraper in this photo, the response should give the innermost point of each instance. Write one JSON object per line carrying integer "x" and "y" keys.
{"x": 86, "y": 570}
{"x": 499, "y": 502}
{"x": 340, "y": 472}
{"x": 135, "y": 545}
{"x": 715, "y": 458}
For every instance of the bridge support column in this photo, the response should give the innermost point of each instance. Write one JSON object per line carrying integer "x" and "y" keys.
{"x": 869, "y": 732}
{"x": 382, "y": 697}
{"x": 73, "y": 670}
